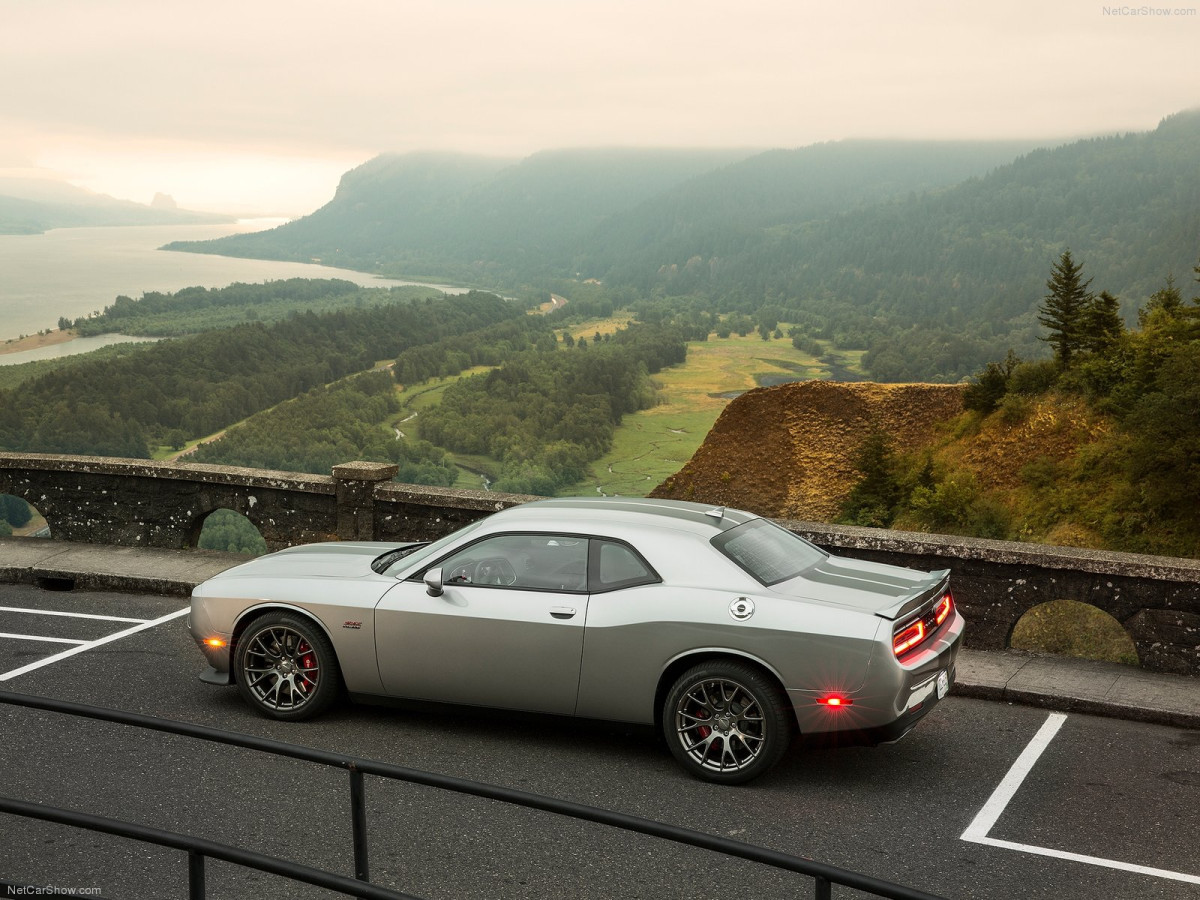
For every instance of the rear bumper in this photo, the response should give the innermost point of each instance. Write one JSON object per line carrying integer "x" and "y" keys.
{"x": 893, "y": 698}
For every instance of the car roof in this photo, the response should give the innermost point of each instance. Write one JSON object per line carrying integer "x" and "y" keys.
{"x": 699, "y": 518}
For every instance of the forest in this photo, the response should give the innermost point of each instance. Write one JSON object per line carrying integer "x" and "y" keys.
{"x": 928, "y": 256}
{"x": 544, "y": 416}
{"x": 196, "y": 309}
{"x": 1120, "y": 412}
{"x": 194, "y": 386}
{"x": 327, "y": 426}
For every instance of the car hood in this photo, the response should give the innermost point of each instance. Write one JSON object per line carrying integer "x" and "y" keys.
{"x": 887, "y": 591}
{"x": 338, "y": 559}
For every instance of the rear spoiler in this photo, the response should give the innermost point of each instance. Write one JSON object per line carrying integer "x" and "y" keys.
{"x": 917, "y": 601}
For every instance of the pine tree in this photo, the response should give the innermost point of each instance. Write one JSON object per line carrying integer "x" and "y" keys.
{"x": 1164, "y": 304}
{"x": 1101, "y": 325}
{"x": 1063, "y": 308}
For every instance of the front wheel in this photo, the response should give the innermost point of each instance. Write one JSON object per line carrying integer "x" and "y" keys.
{"x": 286, "y": 667}
{"x": 726, "y": 722}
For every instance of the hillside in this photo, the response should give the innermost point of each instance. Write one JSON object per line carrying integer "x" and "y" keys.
{"x": 33, "y": 205}
{"x": 789, "y": 451}
{"x": 557, "y": 213}
{"x": 931, "y": 256}
{"x": 714, "y": 214}
{"x": 491, "y": 220}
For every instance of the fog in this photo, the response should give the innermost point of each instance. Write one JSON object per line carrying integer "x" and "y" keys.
{"x": 258, "y": 108}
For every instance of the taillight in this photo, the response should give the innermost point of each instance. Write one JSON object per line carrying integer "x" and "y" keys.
{"x": 943, "y": 609}
{"x": 917, "y": 631}
{"x": 909, "y": 637}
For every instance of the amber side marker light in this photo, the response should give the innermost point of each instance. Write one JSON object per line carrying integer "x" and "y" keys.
{"x": 215, "y": 642}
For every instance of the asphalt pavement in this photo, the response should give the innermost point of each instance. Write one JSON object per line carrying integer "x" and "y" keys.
{"x": 985, "y": 800}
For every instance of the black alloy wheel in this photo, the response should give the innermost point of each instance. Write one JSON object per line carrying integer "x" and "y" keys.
{"x": 726, "y": 722}
{"x": 285, "y": 667}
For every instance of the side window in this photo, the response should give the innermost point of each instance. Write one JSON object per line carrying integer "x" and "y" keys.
{"x": 548, "y": 562}
{"x": 618, "y": 566}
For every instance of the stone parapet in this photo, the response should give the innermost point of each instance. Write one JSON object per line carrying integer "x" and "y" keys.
{"x": 135, "y": 503}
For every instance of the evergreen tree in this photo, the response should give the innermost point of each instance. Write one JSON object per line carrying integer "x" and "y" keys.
{"x": 1165, "y": 303}
{"x": 1063, "y": 308}
{"x": 990, "y": 385}
{"x": 1101, "y": 326}
{"x": 873, "y": 499}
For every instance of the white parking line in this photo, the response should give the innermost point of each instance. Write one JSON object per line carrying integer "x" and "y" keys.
{"x": 985, "y": 820}
{"x": 93, "y": 644}
{"x": 34, "y": 637}
{"x": 53, "y": 612}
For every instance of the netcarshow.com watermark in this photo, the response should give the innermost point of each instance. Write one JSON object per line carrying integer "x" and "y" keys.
{"x": 1149, "y": 11}
{"x": 47, "y": 890}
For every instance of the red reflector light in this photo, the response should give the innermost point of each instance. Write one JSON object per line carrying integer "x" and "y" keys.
{"x": 943, "y": 608}
{"x": 908, "y": 638}
{"x": 836, "y": 701}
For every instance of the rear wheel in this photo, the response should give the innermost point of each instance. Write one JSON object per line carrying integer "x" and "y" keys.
{"x": 726, "y": 722}
{"x": 286, "y": 667}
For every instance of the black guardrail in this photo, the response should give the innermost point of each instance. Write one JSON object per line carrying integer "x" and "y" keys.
{"x": 824, "y": 876}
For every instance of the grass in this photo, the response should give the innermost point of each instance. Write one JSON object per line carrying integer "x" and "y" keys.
{"x": 1071, "y": 628}
{"x": 653, "y": 444}
{"x": 590, "y": 327}
{"x": 424, "y": 394}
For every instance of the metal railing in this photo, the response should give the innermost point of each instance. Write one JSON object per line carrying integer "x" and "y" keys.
{"x": 824, "y": 876}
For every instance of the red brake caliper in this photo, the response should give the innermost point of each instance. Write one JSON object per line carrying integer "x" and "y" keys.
{"x": 308, "y": 661}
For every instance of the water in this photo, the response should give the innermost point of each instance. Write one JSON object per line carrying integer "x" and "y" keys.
{"x": 69, "y": 348}
{"x": 73, "y": 272}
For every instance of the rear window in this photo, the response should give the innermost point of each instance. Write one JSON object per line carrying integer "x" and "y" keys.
{"x": 769, "y": 553}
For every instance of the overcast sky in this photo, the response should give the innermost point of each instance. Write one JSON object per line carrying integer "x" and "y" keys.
{"x": 260, "y": 105}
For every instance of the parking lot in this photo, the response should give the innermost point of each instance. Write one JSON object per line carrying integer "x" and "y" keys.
{"x": 983, "y": 799}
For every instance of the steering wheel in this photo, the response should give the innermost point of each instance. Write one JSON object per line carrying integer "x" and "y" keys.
{"x": 495, "y": 570}
{"x": 460, "y": 575}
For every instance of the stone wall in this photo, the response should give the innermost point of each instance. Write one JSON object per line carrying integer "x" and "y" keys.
{"x": 135, "y": 503}
{"x": 145, "y": 504}
{"x": 1156, "y": 599}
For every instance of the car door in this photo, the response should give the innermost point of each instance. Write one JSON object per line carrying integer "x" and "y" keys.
{"x": 506, "y": 631}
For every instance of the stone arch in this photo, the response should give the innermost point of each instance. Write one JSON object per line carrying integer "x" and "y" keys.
{"x": 227, "y": 530}
{"x": 21, "y": 518}
{"x": 1066, "y": 627}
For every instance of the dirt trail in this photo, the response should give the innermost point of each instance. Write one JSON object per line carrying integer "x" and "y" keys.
{"x": 788, "y": 451}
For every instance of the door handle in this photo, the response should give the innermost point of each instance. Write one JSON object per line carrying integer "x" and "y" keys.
{"x": 562, "y": 612}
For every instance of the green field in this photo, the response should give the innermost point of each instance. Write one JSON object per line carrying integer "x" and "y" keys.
{"x": 655, "y": 443}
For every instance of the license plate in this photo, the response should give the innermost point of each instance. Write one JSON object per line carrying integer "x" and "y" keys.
{"x": 943, "y": 684}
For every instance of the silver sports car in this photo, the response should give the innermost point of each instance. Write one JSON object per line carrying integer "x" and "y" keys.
{"x": 728, "y": 632}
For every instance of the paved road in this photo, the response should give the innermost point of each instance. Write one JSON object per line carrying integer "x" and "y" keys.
{"x": 1101, "y": 788}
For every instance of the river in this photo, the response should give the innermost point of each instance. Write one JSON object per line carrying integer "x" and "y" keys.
{"x": 73, "y": 272}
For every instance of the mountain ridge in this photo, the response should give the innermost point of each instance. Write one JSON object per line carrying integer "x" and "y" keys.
{"x": 36, "y": 205}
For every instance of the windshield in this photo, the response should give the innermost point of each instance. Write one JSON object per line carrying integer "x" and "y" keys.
{"x": 770, "y": 554}
{"x": 409, "y": 560}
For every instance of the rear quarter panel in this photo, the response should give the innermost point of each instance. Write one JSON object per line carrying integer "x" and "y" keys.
{"x": 634, "y": 635}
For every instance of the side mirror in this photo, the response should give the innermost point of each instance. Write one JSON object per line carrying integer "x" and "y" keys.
{"x": 433, "y": 582}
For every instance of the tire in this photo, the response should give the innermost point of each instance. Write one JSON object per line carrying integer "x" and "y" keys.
{"x": 285, "y": 667}
{"x": 726, "y": 722}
